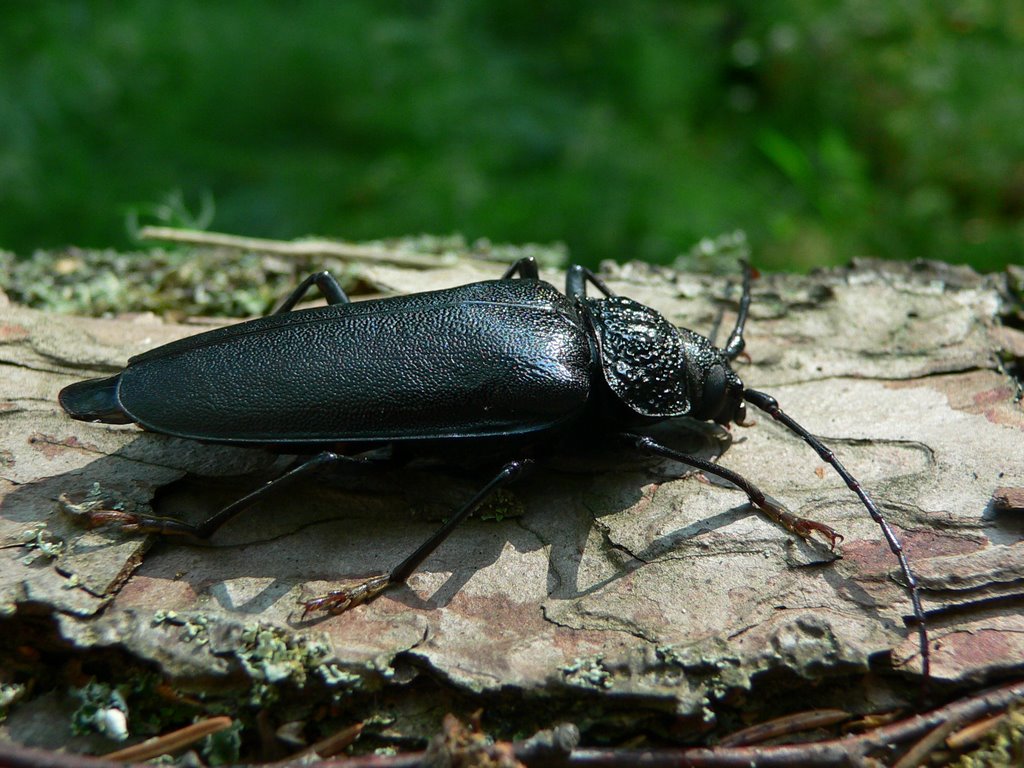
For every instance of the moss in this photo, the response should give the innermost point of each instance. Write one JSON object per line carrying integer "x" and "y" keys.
{"x": 501, "y": 505}
{"x": 224, "y": 747}
{"x": 194, "y": 627}
{"x": 187, "y": 281}
{"x": 40, "y": 542}
{"x": 589, "y": 672}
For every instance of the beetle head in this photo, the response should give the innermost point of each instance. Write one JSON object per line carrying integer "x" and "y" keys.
{"x": 721, "y": 397}
{"x": 659, "y": 371}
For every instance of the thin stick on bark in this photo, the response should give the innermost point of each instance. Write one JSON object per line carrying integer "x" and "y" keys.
{"x": 296, "y": 248}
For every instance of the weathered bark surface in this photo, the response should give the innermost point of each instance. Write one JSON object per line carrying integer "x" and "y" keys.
{"x": 624, "y": 584}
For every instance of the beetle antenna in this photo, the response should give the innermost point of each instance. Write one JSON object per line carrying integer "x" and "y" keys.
{"x": 769, "y": 405}
{"x": 734, "y": 346}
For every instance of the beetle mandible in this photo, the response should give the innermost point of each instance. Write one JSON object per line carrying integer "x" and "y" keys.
{"x": 507, "y": 366}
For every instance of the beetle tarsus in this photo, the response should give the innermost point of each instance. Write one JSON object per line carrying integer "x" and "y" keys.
{"x": 126, "y": 521}
{"x": 806, "y": 528}
{"x": 131, "y": 522}
{"x": 342, "y": 600}
{"x": 803, "y": 527}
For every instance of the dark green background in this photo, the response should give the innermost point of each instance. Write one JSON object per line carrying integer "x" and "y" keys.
{"x": 627, "y": 129}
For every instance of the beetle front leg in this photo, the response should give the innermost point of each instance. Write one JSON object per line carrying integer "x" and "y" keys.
{"x": 341, "y": 600}
{"x": 766, "y": 505}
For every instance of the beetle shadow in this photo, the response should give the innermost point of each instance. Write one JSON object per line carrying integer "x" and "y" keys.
{"x": 336, "y": 527}
{"x": 45, "y": 518}
{"x": 340, "y": 526}
{"x": 625, "y": 476}
{"x": 701, "y": 439}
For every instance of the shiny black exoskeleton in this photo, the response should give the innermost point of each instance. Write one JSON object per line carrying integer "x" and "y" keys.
{"x": 511, "y": 364}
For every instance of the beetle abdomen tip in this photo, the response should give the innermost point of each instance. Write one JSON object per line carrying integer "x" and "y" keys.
{"x": 94, "y": 400}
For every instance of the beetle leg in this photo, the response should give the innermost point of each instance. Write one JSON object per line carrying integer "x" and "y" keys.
{"x": 525, "y": 267}
{"x": 734, "y": 346}
{"x": 343, "y": 599}
{"x": 328, "y": 286}
{"x": 576, "y": 279}
{"x": 134, "y": 523}
{"x": 206, "y": 529}
{"x": 764, "y": 504}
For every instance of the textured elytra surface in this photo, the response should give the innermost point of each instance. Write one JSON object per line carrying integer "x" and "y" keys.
{"x": 394, "y": 369}
{"x": 620, "y": 580}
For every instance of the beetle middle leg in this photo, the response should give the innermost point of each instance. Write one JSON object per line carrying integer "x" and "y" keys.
{"x": 343, "y": 599}
{"x": 576, "y": 279}
{"x": 765, "y": 504}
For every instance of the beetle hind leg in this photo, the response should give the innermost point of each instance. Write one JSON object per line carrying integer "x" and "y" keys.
{"x": 341, "y": 600}
{"x": 323, "y": 280}
{"x": 525, "y": 267}
{"x": 166, "y": 526}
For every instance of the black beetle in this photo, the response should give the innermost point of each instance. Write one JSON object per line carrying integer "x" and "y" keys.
{"x": 504, "y": 366}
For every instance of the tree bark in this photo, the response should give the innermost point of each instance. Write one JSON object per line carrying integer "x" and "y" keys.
{"x": 627, "y": 593}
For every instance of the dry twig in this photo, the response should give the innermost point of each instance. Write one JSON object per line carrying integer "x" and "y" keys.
{"x": 784, "y": 726}
{"x": 170, "y": 742}
{"x": 313, "y": 247}
{"x": 553, "y": 751}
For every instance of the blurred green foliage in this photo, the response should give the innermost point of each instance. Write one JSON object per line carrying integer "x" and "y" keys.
{"x": 626, "y": 128}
